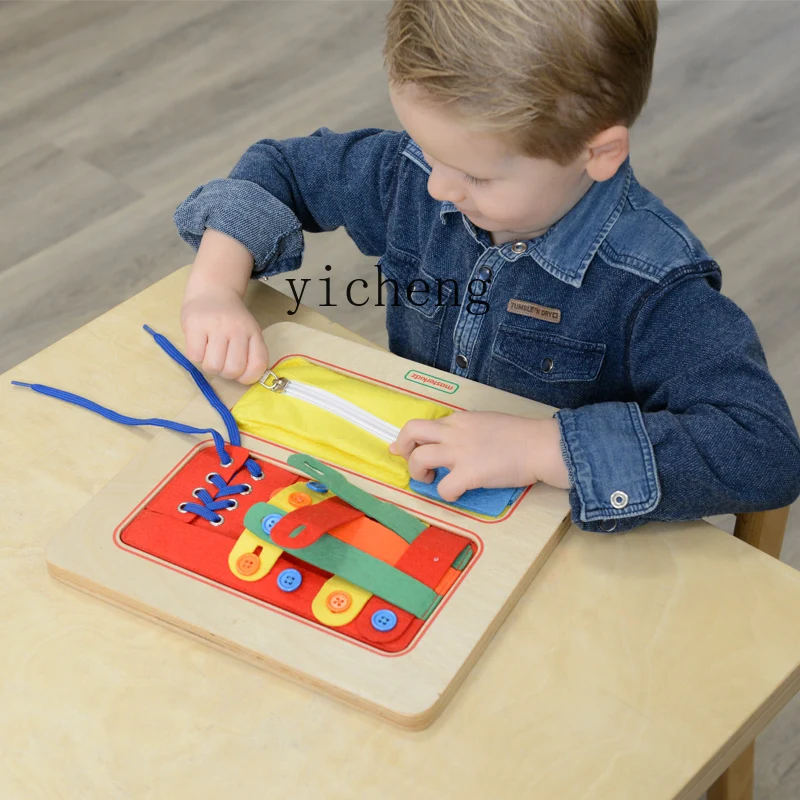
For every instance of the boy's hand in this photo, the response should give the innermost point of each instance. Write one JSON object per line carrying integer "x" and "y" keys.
{"x": 483, "y": 449}
{"x": 223, "y": 336}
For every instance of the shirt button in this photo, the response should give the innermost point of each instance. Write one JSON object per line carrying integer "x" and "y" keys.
{"x": 316, "y": 486}
{"x": 608, "y": 525}
{"x": 248, "y": 564}
{"x": 384, "y": 620}
{"x": 461, "y": 361}
{"x": 485, "y": 274}
{"x": 519, "y": 247}
{"x": 289, "y": 580}
{"x": 547, "y": 365}
{"x": 338, "y": 602}
{"x": 619, "y": 499}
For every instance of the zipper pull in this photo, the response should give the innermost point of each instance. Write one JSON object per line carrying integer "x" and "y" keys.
{"x": 277, "y": 385}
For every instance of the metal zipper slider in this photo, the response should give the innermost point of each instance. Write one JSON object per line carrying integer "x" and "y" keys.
{"x": 277, "y": 385}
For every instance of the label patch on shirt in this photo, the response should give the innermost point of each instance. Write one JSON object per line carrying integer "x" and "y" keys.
{"x": 534, "y": 310}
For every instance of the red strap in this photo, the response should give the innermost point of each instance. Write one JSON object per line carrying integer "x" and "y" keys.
{"x": 312, "y": 521}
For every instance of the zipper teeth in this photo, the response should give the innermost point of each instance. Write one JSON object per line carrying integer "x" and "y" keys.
{"x": 342, "y": 408}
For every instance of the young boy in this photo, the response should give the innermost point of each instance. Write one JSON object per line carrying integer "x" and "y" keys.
{"x": 511, "y": 183}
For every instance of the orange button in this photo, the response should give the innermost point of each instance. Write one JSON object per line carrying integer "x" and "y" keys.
{"x": 338, "y": 602}
{"x": 248, "y": 563}
{"x": 298, "y": 499}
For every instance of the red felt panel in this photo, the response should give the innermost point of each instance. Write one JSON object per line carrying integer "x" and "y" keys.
{"x": 179, "y": 543}
{"x": 206, "y": 553}
{"x": 317, "y": 518}
{"x": 194, "y": 545}
{"x": 431, "y": 554}
{"x": 193, "y": 476}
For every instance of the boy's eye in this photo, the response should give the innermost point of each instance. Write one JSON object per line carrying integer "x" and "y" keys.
{"x": 475, "y": 181}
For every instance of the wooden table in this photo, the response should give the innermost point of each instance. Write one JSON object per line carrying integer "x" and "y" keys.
{"x": 636, "y": 666}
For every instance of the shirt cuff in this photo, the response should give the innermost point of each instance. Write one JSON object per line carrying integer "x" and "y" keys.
{"x": 611, "y": 464}
{"x": 251, "y": 215}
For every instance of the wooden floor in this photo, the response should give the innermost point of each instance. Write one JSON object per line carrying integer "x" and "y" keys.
{"x": 112, "y": 112}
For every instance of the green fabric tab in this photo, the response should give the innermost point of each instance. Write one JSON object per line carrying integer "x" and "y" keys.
{"x": 432, "y": 607}
{"x": 395, "y": 519}
{"x": 463, "y": 558}
{"x": 356, "y": 566}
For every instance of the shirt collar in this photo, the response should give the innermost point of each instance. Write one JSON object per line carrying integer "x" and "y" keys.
{"x": 567, "y": 248}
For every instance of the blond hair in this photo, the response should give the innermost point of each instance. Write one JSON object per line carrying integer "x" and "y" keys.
{"x": 550, "y": 74}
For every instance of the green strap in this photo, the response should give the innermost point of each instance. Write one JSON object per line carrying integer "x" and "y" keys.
{"x": 463, "y": 558}
{"x": 354, "y": 565}
{"x": 395, "y": 519}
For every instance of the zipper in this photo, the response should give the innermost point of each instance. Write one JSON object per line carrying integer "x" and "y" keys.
{"x": 327, "y": 401}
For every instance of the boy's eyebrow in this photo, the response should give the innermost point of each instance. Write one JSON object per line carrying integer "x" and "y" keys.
{"x": 458, "y": 169}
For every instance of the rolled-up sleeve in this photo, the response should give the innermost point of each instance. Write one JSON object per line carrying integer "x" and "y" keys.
{"x": 709, "y": 432}
{"x": 280, "y": 188}
{"x": 252, "y": 216}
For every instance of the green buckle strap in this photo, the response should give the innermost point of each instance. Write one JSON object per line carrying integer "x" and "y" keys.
{"x": 354, "y": 565}
{"x": 395, "y": 519}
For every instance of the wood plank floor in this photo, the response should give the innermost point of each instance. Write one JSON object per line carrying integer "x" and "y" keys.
{"x": 112, "y": 112}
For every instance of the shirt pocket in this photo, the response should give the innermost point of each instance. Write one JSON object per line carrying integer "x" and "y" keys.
{"x": 543, "y": 366}
{"x": 415, "y": 311}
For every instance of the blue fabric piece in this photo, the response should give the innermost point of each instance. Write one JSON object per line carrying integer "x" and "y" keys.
{"x": 490, "y": 502}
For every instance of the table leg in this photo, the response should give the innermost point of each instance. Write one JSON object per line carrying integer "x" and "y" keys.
{"x": 736, "y": 783}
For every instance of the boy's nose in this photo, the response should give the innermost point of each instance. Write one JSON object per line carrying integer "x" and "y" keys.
{"x": 441, "y": 187}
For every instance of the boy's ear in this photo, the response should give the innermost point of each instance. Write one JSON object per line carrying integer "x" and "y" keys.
{"x": 606, "y": 152}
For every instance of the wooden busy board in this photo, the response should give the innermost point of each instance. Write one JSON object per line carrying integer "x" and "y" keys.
{"x": 409, "y": 687}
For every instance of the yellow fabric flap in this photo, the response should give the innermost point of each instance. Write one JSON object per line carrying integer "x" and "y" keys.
{"x": 303, "y": 427}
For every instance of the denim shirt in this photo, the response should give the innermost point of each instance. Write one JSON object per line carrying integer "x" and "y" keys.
{"x": 614, "y": 315}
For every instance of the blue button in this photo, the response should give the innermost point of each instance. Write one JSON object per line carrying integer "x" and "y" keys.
{"x": 384, "y": 620}
{"x": 316, "y": 486}
{"x": 289, "y": 580}
{"x": 485, "y": 274}
{"x": 269, "y": 522}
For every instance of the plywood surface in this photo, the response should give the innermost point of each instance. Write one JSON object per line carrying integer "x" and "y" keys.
{"x": 409, "y": 688}
{"x": 634, "y": 666}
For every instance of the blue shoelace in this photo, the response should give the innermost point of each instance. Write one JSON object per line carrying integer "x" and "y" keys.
{"x": 208, "y": 507}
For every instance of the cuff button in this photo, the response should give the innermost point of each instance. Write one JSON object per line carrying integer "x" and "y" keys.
{"x": 619, "y": 499}
{"x": 608, "y": 525}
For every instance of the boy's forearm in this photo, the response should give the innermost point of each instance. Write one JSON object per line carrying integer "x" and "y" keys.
{"x": 222, "y": 263}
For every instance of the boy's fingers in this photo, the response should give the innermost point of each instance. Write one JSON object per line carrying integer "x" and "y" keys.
{"x": 236, "y": 358}
{"x": 454, "y": 484}
{"x": 424, "y": 459}
{"x": 416, "y": 432}
{"x": 216, "y": 351}
{"x": 196, "y": 345}
{"x": 257, "y": 360}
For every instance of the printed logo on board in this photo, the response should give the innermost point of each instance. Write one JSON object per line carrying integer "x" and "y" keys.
{"x": 431, "y": 380}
